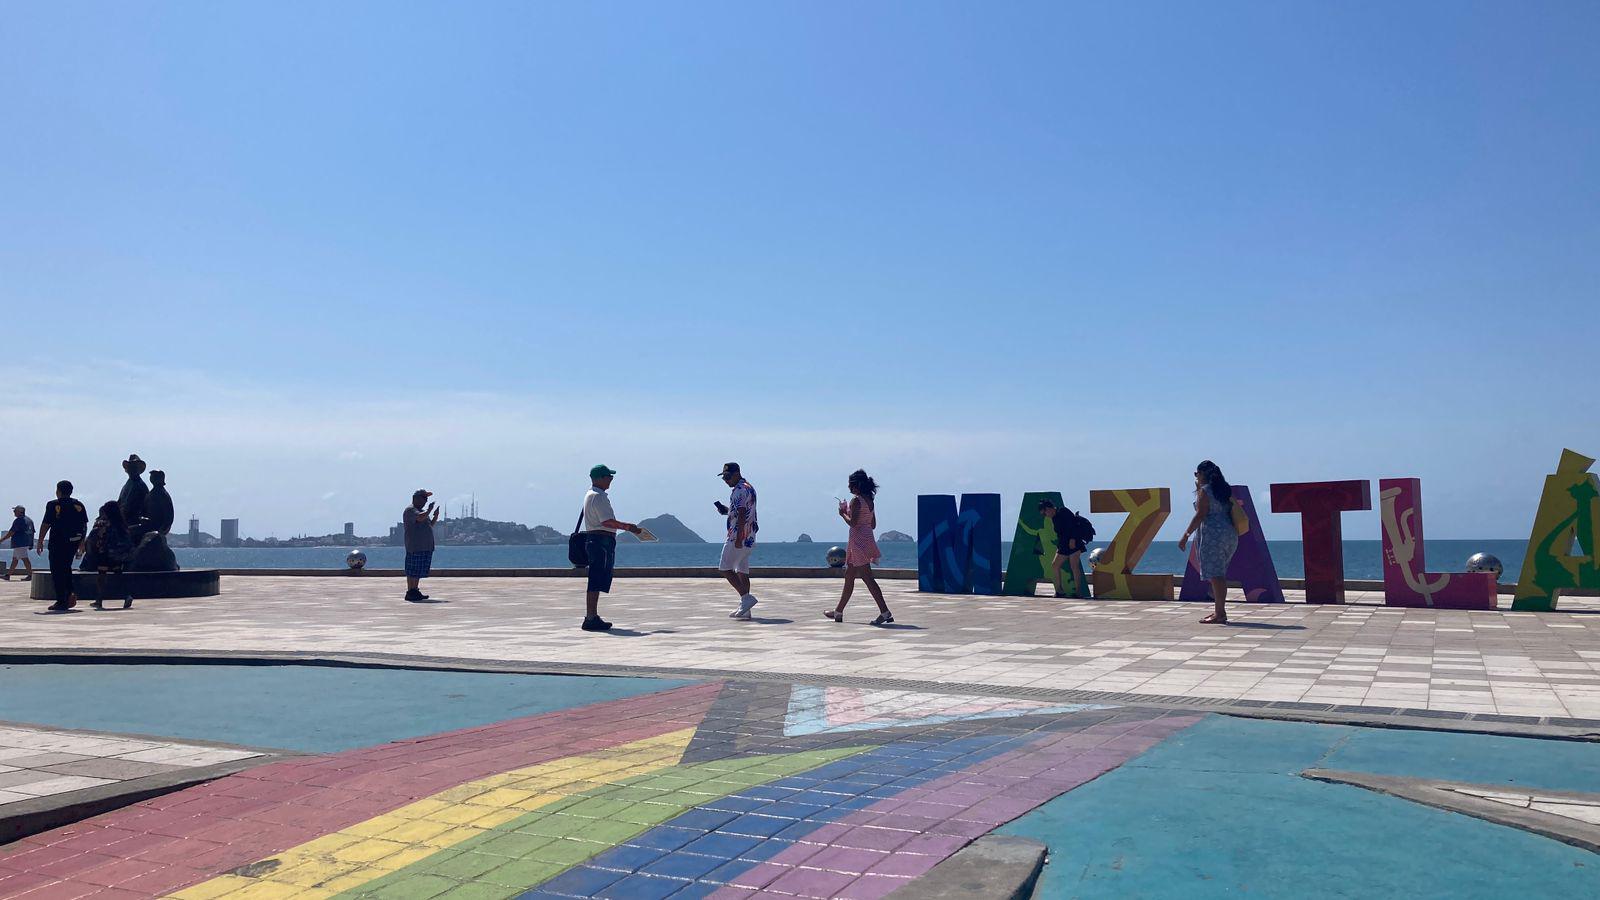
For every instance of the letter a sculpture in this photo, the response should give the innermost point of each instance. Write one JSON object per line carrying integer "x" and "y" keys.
{"x": 1569, "y": 511}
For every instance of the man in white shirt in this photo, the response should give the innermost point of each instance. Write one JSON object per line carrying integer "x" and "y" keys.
{"x": 600, "y": 527}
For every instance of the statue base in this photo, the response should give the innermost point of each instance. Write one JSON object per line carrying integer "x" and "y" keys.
{"x": 142, "y": 585}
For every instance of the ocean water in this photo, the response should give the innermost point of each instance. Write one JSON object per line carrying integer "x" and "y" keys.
{"x": 1362, "y": 559}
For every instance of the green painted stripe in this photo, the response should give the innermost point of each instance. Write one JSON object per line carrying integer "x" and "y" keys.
{"x": 533, "y": 848}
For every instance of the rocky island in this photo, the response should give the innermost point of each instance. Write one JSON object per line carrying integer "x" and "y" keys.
{"x": 896, "y": 537}
{"x": 667, "y": 529}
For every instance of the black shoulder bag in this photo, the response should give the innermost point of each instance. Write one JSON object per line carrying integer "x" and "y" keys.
{"x": 578, "y": 546}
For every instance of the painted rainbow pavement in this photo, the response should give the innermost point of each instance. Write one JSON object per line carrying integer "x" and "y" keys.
{"x": 725, "y": 789}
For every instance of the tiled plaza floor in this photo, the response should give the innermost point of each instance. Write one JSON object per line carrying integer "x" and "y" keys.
{"x": 1490, "y": 663}
{"x": 42, "y": 762}
{"x": 715, "y": 789}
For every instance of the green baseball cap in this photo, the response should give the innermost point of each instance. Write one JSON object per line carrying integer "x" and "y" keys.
{"x": 601, "y": 471}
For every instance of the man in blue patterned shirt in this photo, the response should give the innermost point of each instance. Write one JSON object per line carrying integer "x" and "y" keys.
{"x": 741, "y": 542}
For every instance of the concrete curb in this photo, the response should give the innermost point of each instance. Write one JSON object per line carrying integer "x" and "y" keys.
{"x": 993, "y": 867}
{"x": 1556, "y": 727}
{"x": 1434, "y": 793}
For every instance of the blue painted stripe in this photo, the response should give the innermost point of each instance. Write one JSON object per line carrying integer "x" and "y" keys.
{"x": 758, "y": 823}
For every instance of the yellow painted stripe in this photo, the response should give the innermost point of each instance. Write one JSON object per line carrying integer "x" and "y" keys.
{"x": 321, "y": 868}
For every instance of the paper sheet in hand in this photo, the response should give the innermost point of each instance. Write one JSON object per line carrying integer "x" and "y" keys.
{"x": 646, "y": 534}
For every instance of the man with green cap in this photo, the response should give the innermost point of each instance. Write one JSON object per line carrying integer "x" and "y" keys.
{"x": 600, "y": 527}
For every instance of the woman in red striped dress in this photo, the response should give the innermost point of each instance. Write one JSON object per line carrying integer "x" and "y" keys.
{"x": 862, "y": 550}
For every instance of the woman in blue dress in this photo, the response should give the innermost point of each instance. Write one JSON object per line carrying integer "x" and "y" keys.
{"x": 1213, "y": 519}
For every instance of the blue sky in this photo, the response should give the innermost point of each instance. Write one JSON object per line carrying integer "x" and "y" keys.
{"x": 307, "y": 256}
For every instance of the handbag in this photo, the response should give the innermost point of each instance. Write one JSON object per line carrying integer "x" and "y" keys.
{"x": 578, "y": 546}
{"x": 1241, "y": 522}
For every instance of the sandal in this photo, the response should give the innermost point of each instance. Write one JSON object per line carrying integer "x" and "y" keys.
{"x": 1214, "y": 619}
{"x": 834, "y": 615}
{"x": 884, "y": 619}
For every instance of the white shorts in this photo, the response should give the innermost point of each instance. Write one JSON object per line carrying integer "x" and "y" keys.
{"x": 19, "y": 553}
{"x": 735, "y": 559}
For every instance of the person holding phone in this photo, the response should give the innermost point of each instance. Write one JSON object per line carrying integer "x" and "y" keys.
{"x": 417, "y": 523}
{"x": 862, "y": 551}
{"x": 741, "y": 512}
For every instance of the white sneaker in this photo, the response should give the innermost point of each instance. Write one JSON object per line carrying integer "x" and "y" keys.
{"x": 746, "y": 603}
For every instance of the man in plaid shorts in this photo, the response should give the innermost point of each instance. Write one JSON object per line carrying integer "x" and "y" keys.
{"x": 417, "y": 523}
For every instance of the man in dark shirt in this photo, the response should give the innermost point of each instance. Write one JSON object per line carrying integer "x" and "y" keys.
{"x": 417, "y": 522}
{"x": 1069, "y": 544}
{"x": 20, "y": 534}
{"x": 64, "y": 529}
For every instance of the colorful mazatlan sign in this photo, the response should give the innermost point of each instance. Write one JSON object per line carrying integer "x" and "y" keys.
{"x": 958, "y": 552}
{"x": 1147, "y": 509}
{"x": 1406, "y": 579}
{"x": 1569, "y": 513}
{"x": 1251, "y": 566}
{"x": 1319, "y": 504}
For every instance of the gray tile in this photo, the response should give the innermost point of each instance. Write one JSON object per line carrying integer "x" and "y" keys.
{"x": 118, "y": 769}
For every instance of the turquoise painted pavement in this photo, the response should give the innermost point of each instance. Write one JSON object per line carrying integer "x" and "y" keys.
{"x": 1220, "y": 810}
{"x": 312, "y": 709}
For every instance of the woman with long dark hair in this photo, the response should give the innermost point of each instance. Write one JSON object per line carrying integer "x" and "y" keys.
{"x": 112, "y": 547}
{"x": 1213, "y": 519}
{"x": 862, "y": 550}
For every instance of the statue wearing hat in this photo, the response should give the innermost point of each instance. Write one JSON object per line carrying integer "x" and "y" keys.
{"x": 148, "y": 514}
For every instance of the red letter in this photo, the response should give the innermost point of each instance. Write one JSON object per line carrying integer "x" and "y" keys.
{"x": 1406, "y": 579}
{"x": 1319, "y": 504}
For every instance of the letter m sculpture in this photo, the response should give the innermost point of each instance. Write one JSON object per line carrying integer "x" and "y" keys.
{"x": 958, "y": 553}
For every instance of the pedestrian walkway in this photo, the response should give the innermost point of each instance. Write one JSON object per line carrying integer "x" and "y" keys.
{"x": 1499, "y": 663}
{"x": 37, "y": 763}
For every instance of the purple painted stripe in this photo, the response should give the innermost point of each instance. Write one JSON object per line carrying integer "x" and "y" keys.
{"x": 927, "y": 823}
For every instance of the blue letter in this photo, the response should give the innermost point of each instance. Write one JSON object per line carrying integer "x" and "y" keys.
{"x": 958, "y": 554}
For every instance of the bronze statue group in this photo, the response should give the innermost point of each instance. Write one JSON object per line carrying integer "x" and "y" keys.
{"x": 128, "y": 533}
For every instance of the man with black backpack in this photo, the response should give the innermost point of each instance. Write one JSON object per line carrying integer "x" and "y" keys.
{"x": 1073, "y": 534}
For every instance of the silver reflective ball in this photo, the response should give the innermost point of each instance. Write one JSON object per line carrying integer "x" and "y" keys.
{"x": 1095, "y": 554}
{"x": 1485, "y": 562}
{"x": 357, "y": 559}
{"x": 836, "y": 557}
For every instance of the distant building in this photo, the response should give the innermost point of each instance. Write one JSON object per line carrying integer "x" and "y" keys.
{"x": 230, "y": 532}
{"x": 194, "y": 531}
{"x": 350, "y": 529}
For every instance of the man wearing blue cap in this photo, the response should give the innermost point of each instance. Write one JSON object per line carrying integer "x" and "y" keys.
{"x": 600, "y": 527}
